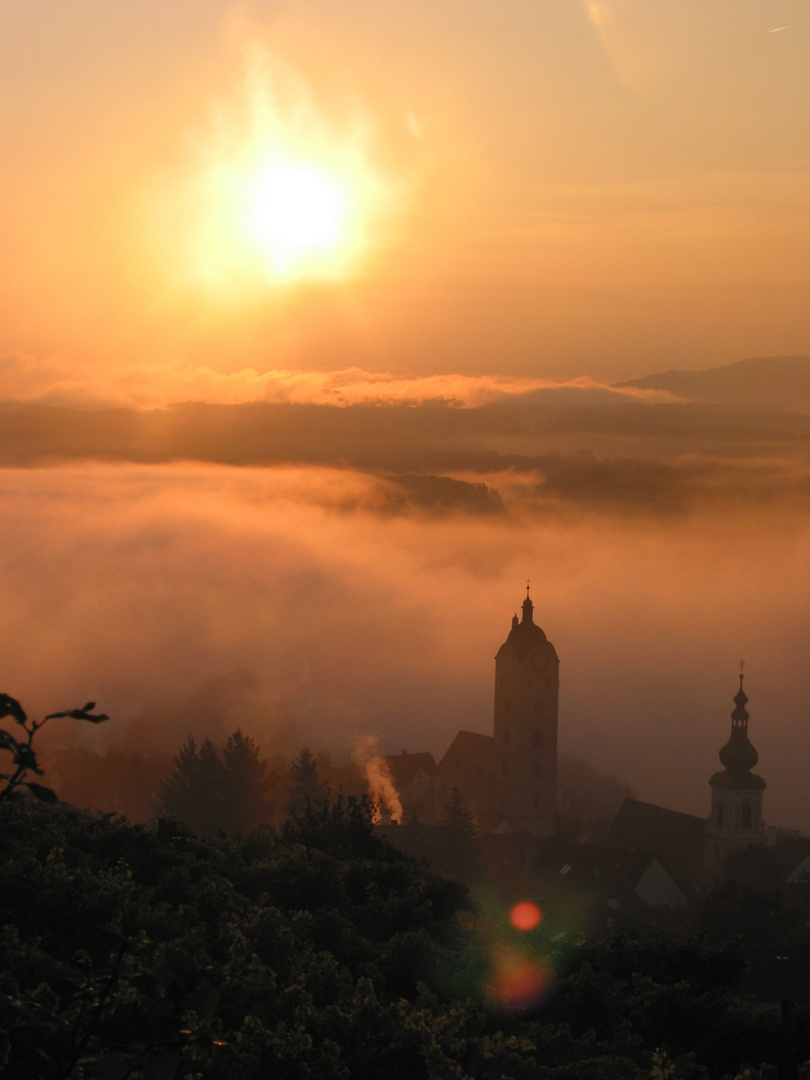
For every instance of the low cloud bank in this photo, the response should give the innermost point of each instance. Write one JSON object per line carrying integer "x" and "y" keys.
{"x": 493, "y": 460}
{"x": 201, "y": 598}
{"x": 59, "y": 381}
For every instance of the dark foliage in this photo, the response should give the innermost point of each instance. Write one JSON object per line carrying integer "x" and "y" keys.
{"x": 20, "y": 746}
{"x": 148, "y": 953}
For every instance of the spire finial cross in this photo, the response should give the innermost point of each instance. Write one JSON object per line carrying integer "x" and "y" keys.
{"x": 742, "y": 669}
{"x": 528, "y": 583}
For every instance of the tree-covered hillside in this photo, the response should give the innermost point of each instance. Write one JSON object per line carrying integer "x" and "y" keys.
{"x": 320, "y": 952}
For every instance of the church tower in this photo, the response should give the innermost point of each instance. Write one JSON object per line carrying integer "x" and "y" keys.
{"x": 736, "y": 817}
{"x": 527, "y": 681}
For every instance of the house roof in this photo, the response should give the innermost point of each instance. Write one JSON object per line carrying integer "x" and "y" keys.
{"x": 792, "y": 855}
{"x": 405, "y": 767}
{"x": 526, "y": 635}
{"x": 676, "y": 838}
{"x": 570, "y": 877}
{"x": 469, "y": 751}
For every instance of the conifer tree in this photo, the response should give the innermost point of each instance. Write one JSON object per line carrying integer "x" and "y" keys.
{"x": 462, "y": 856}
{"x": 305, "y": 783}
{"x": 213, "y": 791}
{"x": 247, "y": 785}
{"x": 458, "y": 815}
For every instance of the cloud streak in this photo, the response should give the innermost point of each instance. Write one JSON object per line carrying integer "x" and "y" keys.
{"x": 58, "y": 381}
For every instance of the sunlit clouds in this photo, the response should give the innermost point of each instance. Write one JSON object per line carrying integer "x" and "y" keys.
{"x": 463, "y": 225}
{"x": 58, "y": 380}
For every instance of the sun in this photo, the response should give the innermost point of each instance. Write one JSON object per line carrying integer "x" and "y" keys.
{"x": 299, "y": 217}
{"x": 278, "y": 192}
{"x": 283, "y": 217}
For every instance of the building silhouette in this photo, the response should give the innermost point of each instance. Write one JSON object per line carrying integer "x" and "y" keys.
{"x": 509, "y": 778}
{"x": 527, "y": 686}
{"x": 736, "y": 814}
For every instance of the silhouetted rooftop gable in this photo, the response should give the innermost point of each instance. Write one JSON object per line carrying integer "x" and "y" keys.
{"x": 676, "y": 838}
{"x": 570, "y": 877}
{"x": 468, "y": 750}
{"x": 405, "y": 768}
{"x": 792, "y": 855}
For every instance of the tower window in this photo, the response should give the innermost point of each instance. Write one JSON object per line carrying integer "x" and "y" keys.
{"x": 720, "y": 813}
{"x": 506, "y": 736}
{"x": 537, "y": 738}
{"x": 746, "y": 815}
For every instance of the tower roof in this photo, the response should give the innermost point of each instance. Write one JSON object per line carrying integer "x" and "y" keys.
{"x": 525, "y": 634}
{"x": 738, "y": 755}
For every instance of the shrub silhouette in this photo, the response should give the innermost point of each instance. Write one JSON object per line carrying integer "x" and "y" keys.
{"x": 21, "y": 746}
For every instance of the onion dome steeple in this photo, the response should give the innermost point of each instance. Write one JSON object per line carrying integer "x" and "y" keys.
{"x": 736, "y": 815}
{"x": 738, "y": 756}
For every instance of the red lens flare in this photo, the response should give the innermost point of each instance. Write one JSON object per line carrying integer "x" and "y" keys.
{"x": 525, "y": 915}
{"x": 518, "y": 980}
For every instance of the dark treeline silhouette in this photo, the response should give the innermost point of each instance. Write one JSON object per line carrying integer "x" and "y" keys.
{"x": 321, "y": 951}
{"x": 318, "y": 949}
{"x": 134, "y": 783}
{"x": 305, "y": 785}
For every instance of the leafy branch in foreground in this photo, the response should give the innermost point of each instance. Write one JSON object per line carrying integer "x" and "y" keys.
{"x": 23, "y": 755}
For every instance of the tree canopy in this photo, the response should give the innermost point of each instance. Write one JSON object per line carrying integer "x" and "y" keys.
{"x": 148, "y": 953}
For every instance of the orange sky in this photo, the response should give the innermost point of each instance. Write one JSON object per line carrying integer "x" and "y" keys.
{"x": 536, "y": 188}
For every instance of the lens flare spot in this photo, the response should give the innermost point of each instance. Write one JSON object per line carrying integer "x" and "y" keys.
{"x": 518, "y": 980}
{"x": 525, "y": 915}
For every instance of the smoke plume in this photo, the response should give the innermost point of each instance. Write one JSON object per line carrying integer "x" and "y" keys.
{"x": 378, "y": 777}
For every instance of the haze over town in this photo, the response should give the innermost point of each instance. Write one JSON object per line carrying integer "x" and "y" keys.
{"x": 296, "y": 481}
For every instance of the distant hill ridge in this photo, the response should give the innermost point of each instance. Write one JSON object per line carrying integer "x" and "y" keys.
{"x": 770, "y": 382}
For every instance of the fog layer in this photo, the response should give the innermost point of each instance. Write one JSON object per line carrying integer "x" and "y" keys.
{"x": 308, "y": 605}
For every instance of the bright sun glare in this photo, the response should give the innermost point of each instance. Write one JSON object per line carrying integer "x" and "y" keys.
{"x": 283, "y": 195}
{"x": 296, "y": 213}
